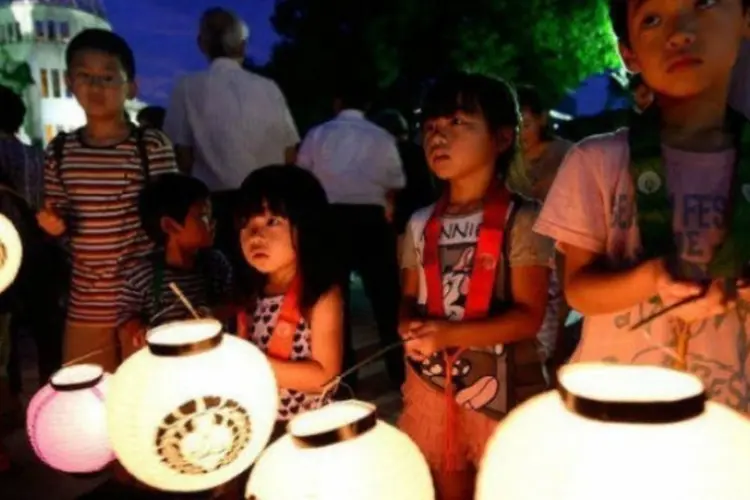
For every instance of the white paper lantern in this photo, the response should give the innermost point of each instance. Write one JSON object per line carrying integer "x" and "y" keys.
{"x": 193, "y": 409}
{"x": 341, "y": 452}
{"x": 11, "y": 252}
{"x": 67, "y": 422}
{"x": 621, "y": 433}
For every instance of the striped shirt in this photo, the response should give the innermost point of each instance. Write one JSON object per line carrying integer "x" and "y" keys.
{"x": 96, "y": 190}
{"x": 147, "y": 296}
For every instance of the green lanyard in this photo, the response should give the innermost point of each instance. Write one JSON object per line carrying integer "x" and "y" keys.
{"x": 655, "y": 211}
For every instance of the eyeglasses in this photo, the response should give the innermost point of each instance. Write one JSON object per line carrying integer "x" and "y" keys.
{"x": 106, "y": 81}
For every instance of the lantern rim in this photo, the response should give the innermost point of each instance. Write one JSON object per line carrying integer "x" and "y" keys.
{"x": 630, "y": 394}
{"x": 184, "y": 338}
{"x": 362, "y": 419}
{"x": 11, "y": 251}
{"x": 76, "y": 377}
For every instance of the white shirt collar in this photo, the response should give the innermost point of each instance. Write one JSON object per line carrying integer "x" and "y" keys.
{"x": 352, "y": 113}
{"x": 222, "y": 63}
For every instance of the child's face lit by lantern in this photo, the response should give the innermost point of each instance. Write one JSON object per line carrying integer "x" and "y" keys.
{"x": 268, "y": 243}
{"x": 684, "y": 48}
{"x": 459, "y": 145}
{"x": 196, "y": 231}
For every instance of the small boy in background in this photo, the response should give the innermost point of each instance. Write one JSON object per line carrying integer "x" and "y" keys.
{"x": 92, "y": 178}
{"x": 175, "y": 212}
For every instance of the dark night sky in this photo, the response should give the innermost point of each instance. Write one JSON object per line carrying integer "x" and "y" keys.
{"x": 163, "y": 36}
{"x": 163, "y": 33}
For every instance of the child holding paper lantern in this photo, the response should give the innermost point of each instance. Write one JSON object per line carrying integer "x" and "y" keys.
{"x": 475, "y": 281}
{"x": 658, "y": 213}
{"x": 292, "y": 307}
{"x": 175, "y": 213}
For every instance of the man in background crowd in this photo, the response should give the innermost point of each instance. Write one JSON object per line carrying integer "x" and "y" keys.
{"x": 151, "y": 117}
{"x": 360, "y": 168}
{"x": 226, "y": 122}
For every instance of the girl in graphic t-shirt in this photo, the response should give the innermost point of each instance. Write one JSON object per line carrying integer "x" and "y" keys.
{"x": 293, "y": 308}
{"x": 475, "y": 281}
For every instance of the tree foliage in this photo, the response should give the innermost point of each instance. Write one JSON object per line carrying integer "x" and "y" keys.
{"x": 16, "y": 75}
{"x": 397, "y": 44}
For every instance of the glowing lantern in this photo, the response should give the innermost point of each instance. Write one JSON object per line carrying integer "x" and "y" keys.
{"x": 341, "y": 452}
{"x": 621, "y": 433}
{"x": 11, "y": 252}
{"x": 67, "y": 422}
{"x": 193, "y": 409}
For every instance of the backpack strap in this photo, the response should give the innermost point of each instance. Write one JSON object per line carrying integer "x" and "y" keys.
{"x": 140, "y": 144}
{"x": 58, "y": 149}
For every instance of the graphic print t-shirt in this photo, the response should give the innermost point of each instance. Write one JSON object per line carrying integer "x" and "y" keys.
{"x": 591, "y": 206}
{"x": 479, "y": 374}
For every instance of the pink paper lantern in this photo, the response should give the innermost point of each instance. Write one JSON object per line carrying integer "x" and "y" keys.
{"x": 67, "y": 422}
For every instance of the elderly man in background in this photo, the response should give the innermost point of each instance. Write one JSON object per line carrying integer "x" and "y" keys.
{"x": 226, "y": 122}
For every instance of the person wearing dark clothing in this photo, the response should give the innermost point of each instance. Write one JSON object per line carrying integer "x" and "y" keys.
{"x": 421, "y": 186}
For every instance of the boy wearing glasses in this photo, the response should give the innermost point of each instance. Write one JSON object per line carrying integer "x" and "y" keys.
{"x": 92, "y": 180}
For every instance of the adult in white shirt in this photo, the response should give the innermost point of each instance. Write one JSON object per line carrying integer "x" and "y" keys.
{"x": 225, "y": 121}
{"x": 359, "y": 165}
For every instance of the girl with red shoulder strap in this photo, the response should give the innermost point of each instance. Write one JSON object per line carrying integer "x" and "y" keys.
{"x": 292, "y": 309}
{"x": 475, "y": 281}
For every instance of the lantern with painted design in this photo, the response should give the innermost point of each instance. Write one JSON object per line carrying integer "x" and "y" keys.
{"x": 193, "y": 409}
{"x": 619, "y": 432}
{"x": 341, "y": 452}
{"x": 66, "y": 421}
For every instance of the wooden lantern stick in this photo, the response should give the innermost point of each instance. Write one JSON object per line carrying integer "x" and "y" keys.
{"x": 682, "y": 332}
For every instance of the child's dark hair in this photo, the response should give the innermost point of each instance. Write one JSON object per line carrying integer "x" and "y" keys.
{"x": 154, "y": 115}
{"x": 476, "y": 94}
{"x": 102, "y": 41}
{"x": 618, "y": 16}
{"x": 14, "y": 111}
{"x": 295, "y": 194}
{"x": 530, "y": 99}
{"x": 168, "y": 195}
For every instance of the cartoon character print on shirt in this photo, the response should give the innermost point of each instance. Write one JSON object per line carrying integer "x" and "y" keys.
{"x": 474, "y": 373}
{"x": 267, "y": 310}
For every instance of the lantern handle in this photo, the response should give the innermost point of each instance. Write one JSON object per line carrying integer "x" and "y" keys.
{"x": 95, "y": 352}
{"x": 176, "y": 289}
{"x": 331, "y": 384}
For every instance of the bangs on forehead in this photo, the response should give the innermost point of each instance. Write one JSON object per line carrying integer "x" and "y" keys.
{"x": 446, "y": 98}
{"x": 258, "y": 202}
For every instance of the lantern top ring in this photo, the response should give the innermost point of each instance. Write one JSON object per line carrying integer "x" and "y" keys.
{"x": 184, "y": 338}
{"x": 628, "y": 394}
{"x": 335, "y": 423}
{"x": 76, "y": 377}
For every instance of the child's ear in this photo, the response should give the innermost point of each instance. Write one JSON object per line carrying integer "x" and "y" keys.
{"x": 629, "y": 58}
{"x": 169, "y": 225}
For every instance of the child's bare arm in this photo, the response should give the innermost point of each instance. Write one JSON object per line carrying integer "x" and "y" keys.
{"x": 133, "y": 331}
{"x": 592, "y": 289}
{"x": 326, "y": 326}
{"x": 521, "y": 322}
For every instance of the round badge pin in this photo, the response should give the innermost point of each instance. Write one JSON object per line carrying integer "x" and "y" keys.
{"x": 11, "y": 253}
{"x": 649, "y": 182}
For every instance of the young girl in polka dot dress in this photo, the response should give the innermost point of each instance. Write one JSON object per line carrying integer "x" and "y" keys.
{"x": 292, "y": 308}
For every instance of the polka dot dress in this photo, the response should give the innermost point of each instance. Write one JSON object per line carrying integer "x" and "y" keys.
{"x": 266, "y": 314}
